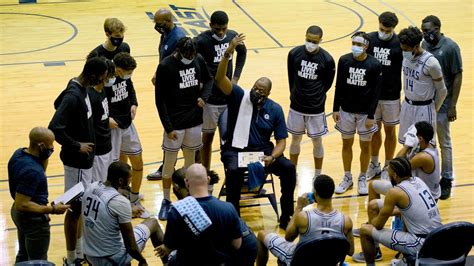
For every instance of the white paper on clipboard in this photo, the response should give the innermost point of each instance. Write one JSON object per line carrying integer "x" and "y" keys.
{"x": 245, "y": 158}
{"x": 70, "y": 195}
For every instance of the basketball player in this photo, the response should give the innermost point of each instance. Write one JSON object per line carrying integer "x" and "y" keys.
{"x": 114, "y": 31}
{"x": 212, "y": 45}
{"x": 423, "y": 82}
{"x": 311, "y": 71}
{"x": 355, "y": 101}
{"x": 180, "y": 79}
{"x": 385, "y": 46}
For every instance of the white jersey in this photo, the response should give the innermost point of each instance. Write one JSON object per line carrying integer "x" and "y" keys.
{"x": 422, "y": 214}
{"x": 318, "y": 220}
{"x": 418, "y": 75}
{"x": 431, "y": 179}
{"x": 103, "y": 210}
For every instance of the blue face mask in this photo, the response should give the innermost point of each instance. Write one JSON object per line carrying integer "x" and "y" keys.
{"x": 408, "y": 55}
{"x": 357, "y": 50}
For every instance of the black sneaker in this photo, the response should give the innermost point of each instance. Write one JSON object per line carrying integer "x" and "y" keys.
{"x": 446, "y": 185}
{"x": 155, "y": 176}
{"x": 164, "y": 210}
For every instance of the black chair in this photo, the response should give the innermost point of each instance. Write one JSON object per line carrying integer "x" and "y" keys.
{"x": 447, "y": 245}
{"x": 326, "y": 247}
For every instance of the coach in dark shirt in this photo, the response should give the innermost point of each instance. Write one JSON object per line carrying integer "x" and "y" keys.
{"x": 29, "y": 190}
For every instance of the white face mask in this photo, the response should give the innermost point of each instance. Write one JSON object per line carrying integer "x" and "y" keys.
{"x": 357, "y": 50}
{"x": 110, "y": 82}
{"x": 385, "y": 36}
{"x": 186, "y": 61}
{"x": 218, "y": 38}
{"x": 311, "y": 47}
{"x": 127, "y": 76}
{"x": 408, "y": 55}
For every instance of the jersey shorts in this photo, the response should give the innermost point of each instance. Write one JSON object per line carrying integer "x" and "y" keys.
{"x": 280, "y": 248}
{"x": 315, "y": 125}
{"x": 404, "y": 242}
{"x": 125, "y": 141}
{"x": 349, "y": 123}
{"x": 388, "y": 111}
{"x": 101, "y": 166}
{"x": 210, "y": 116}
{"x": 410, "y": 114}
{"x": 142, "y": 234}
{"x": 73, "y": 176}
{"x": 189, "y": 138}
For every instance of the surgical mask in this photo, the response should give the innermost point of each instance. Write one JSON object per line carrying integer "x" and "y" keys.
{"x": 127, "y": 76}
{"x": 408, "y": 55}
{"x": 110, "y": 82}
{"x": 311, "y": 47}
{"x": 159, "y": 28}
{"x": 186, "y": 61}
{"x": 116, "y": 41}
{"x": 385, "y": 36}
{"x": 255, "y": 97}
{"x": 218, "y": 38}
{"x": 45, "y": 153}
{"x": 430, "y": 37}
{"x": 357, "y": 50}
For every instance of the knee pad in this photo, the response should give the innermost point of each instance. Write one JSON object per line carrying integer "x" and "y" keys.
{"x": 318, "y": 149}
{"x": 295, "y": 144}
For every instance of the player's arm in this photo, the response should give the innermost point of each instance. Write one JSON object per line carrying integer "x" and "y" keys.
{"x": 456, "y": 89}
{"x": 424, "y": 161}
{"x": 222, "y": 81}
{"x": 388, "y": 206}
{"x": 239, "y": 62}
{"x": 291, "y": 70}
{"x": 338, "y": 91}
{"x": 436, "y": 73}
{"x": 403, "y": 151}
{"x": 130, "y": 243}
{"x": 348, "y": 233}
{"x": 330, "y": 73}
{"x": 298, "y": 222}
{"x": 377, "y": 88}
{"x": 160, "y": 102}
{"x": 60, "y": 120}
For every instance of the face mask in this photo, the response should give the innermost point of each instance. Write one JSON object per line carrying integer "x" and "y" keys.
{"x": 116, "y": 41}
{"x": 186, "y": 61}
{"x": 357, "y": 50}
{"x": 255, "y": 97}
{"x": 218, "y": 38}
{"x": 127, "y": 76}
{"x": 311, "y": 47}
{"x": 430, "y": 37}
{"x": 110, "y": 82}
{"x": 45, "y": 153}
{"x": 408, "y": 55}
{"x": 385, "y": 36}
{"x": 159, "y": 28}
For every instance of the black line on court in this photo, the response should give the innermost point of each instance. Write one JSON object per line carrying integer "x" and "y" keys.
{"x": 45, "y": 16}
{"x": 361, "y": 19}
{"x": 398, "y": 11}
{"x": 256, "y": 23}
{"x": 366, "y": 7}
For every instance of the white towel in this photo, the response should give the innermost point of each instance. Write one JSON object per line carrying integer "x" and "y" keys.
{"x": 240, "y": 139}
{"x": 193, "y": 215}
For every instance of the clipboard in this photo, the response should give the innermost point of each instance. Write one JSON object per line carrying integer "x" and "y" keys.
{"x": 72, "y": 194}
{"x": 244, "y": 158}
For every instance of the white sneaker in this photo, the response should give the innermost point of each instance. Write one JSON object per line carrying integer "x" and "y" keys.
{"x": 362, "y": 186}
{"x": 145, "y": 214}
{"x": 374, "y": 170}
{"x": 345, "y": 185}
{"x": 384, "y": 174}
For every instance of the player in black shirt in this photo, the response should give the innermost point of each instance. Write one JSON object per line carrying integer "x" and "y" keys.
{"x": 311, "y": 72}
{"x": 212, "y": 45}
{"x": 114, "y": 31}
{"x": 355, "y": 100}
{"x": 180, "y": 79}
{"x": 385, "y": 46}
{"x": 122, "y": 110}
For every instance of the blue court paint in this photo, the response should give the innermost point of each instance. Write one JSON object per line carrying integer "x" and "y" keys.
{"x": 54, "y": 63}
{"x": 150, "y": 15}
{"x": 27, "y": 2}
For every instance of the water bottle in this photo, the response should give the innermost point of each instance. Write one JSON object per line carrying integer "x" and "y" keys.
{"x": 397, "y": 223}
{"x": 311, "y": 197}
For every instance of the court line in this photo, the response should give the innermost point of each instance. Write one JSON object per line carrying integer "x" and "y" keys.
{"x": 256, "y": 23}
{"x": 48, "y": 3}
{"x": 361, "y": 20}
{"x": 398, "y": 11}
{"x": 366, "y": 7}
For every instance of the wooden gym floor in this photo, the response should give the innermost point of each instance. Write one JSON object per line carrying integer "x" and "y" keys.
{"x": 43, "y": 45}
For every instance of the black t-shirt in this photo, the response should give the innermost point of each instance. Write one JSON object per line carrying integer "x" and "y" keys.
{"x": 212, "y": 51}
{"x": 390, "y": 56}
{"x": 310, "y": 76}
{"x": 213, "y": 245}
{"x": 101, "y": 51}
{"x": 357, "y": 85}
{"x": 100, "y": 114}
{"x": 177, "y": 88}
{"x": 121, "y": 96}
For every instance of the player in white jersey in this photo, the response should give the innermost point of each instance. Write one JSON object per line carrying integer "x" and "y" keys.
{"x": 305, "y": 223}
{"x": 109, "y": 238}
{"x": 423, "y": 86}
{"x": 411, "y": 199}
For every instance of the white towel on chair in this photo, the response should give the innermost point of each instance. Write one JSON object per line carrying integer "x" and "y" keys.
{"x": 240, "y": 139}
{"x": 193, "y": 214}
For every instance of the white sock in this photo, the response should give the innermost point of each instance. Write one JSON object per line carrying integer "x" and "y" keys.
{"x": 374, "y": 160}
{"x": 362, "y": 174}
{"x": 133, "y": 197}
{"x": 348, "y": 174}
{"x": 317, "y": 172}
{"x": 167, "y": 193}
{"x": 71, "y": 256}
{"x": 79, "y": 252}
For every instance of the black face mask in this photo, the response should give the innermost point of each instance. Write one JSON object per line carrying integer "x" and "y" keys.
{"x": 159, "y": 28}
{"x": 116, "y": 41}
{"x": 256, "y": 98}
{"x": 431, "y": 37}
{"x": 45, "y": 153}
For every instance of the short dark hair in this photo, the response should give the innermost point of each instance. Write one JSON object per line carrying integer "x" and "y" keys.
{"x": 401, "y": 166}
{"x": 324, "y": 186}
{"x": 94, "y": 66}
{"x": 388, "y": 19}
{"x": 362, "y": 34}
{"x": 410, "y": 36}
{"x": 425, "y": 130}
{"x": 118, "y": 170}
{"x": 186, "y": 45}
{"x": 316, "y": 30}
{"x": 125, "y": 61}
{"x": 433, "y": 19}
{"x": 219, "y": 18}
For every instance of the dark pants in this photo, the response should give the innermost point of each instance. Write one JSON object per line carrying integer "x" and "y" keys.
{"x": 33, "y": 232}
{"x": 281, "y": 167}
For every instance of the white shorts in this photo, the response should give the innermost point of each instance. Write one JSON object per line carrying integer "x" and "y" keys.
{"x": 189, "y": 138}
{"x": 280, "y": 248}
{"x": 410, "y": 114}
{"x": 73, "y": 175}
{"x": 101, "y": 166}
{"x": 142, "y": 234}
{"x": 125, "y": 141}
{"x": 350, "y": 122}
{"x": 210, "y": 116}
{"x": 404, "y": 242}
{"x": 388, "y": 112}
{"x": 315, "y": 124}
